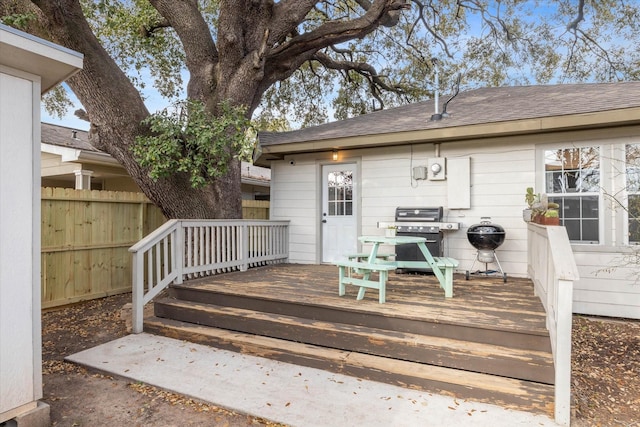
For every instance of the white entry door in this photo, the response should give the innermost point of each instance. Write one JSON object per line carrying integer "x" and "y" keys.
{"x": 339, "y": 211}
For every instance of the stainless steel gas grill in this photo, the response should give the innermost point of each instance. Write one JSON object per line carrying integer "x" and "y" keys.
{"x": 421, "y": 222}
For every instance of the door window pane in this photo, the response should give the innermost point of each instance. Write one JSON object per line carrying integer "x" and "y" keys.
{"x": 340, "y": 194}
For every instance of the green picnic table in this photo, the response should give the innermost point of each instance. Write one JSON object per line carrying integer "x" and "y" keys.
{"x": 442, "y": 267}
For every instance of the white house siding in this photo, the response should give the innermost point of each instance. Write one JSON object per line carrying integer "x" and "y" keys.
{"x": 498, "y": 185}
{"x": 609, "y": 285}
{"x": 295, "y": 197}
{"x": 500, "y": 174}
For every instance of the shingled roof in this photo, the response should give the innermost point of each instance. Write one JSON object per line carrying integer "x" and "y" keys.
{"x": 66, "y": 137}
{"x": 475, "y": 107}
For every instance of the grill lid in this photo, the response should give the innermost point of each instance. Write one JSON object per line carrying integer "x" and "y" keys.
{"x": 486, "y": 235}
{"x": 433, "y": 214}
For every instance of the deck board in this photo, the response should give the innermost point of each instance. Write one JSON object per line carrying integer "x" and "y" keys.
{"x": 480, "y": 301}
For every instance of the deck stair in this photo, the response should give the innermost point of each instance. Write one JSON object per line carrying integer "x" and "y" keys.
{"x": 445, "y": 347}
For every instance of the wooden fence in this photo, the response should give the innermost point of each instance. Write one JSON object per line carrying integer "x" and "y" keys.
{"x": 86, "y": 236}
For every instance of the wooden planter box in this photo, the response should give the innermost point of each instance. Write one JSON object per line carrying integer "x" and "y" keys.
{"x": 543, "y": 220}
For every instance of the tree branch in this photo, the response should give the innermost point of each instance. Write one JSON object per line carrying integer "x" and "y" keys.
{"x": 335, "y": 32}
{"x": 376, "y": 83}
{"x": 147, "y": 31}
{"x": 573, "y": 25}
{"x": 287, "y": 15}
{"x": 200, "y": 50}
{"x": 436, "y": 36}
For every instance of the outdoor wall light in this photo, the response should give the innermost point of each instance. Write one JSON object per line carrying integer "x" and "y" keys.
{"x": 334, "y": 155}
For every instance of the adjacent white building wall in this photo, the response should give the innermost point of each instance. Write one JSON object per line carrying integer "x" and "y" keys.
{"x": 20, "y": 336}
{"x": 28, "y": 67}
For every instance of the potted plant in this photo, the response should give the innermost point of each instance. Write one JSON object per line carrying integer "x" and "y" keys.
{"x": 545, "y": 212}
{"x": 551, "y": 215}
{"x": 531, "y": 198}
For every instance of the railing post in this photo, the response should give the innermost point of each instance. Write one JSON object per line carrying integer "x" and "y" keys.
{"x": 563, "y": 352}
{"x": 286, "y": 242}
{"x": 178, "y": 252}
{"x": 137, "y": 309}
{"x": 244, "y": 248}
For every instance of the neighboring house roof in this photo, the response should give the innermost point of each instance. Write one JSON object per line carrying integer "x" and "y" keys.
{"x": 73, "y": 145}
{"x": 472, "y": 114}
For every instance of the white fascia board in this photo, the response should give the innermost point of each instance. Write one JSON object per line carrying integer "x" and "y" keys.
{"x": 66, "y": 154}
{"x": 256, "y": 182}
{"x": 74, "y": 155}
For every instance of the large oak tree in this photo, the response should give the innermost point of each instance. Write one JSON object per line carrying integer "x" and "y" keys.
{"x": 295, "y": 58}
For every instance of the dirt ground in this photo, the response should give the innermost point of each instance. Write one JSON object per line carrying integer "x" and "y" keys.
{"x": 606, "y": 376}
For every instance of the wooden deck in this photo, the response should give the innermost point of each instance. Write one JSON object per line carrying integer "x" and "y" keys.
{"x": 488, "y": 342}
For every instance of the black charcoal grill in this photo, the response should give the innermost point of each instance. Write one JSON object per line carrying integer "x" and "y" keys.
{"x": 486, "y": 237}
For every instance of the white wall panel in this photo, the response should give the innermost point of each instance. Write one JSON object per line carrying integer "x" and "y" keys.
{"x": 17, "y": 268}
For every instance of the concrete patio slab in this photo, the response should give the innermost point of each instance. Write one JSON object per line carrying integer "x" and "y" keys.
{"x": 286, "y": 393}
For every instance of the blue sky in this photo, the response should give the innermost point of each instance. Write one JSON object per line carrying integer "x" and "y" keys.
{"x": 69, "y": 120}
{"x": 153, "y": 101}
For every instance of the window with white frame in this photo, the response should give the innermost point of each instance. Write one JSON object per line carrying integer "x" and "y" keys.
{"x": 572, "y": 179}
{"x": 632, "y": 161}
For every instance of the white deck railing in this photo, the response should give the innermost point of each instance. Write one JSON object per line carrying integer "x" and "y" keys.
{"x": 552, "y": 268}
{"x": 186, "y": 249}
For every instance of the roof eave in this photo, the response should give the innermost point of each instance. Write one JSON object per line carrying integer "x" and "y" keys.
{"x": 601, "y": 119}
{"x": 258, "y": 182}
{"x": 68, "y": 154}
{"x": 53, "y": 63}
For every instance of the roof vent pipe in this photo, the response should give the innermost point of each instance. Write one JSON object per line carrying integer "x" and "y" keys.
{"x": 436, "y": 115}
{"x": 435, "y": 63}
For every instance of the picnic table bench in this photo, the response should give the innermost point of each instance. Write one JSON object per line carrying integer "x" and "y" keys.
{"x": 365, "y": 256}
{"x": 348, "y": 268}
